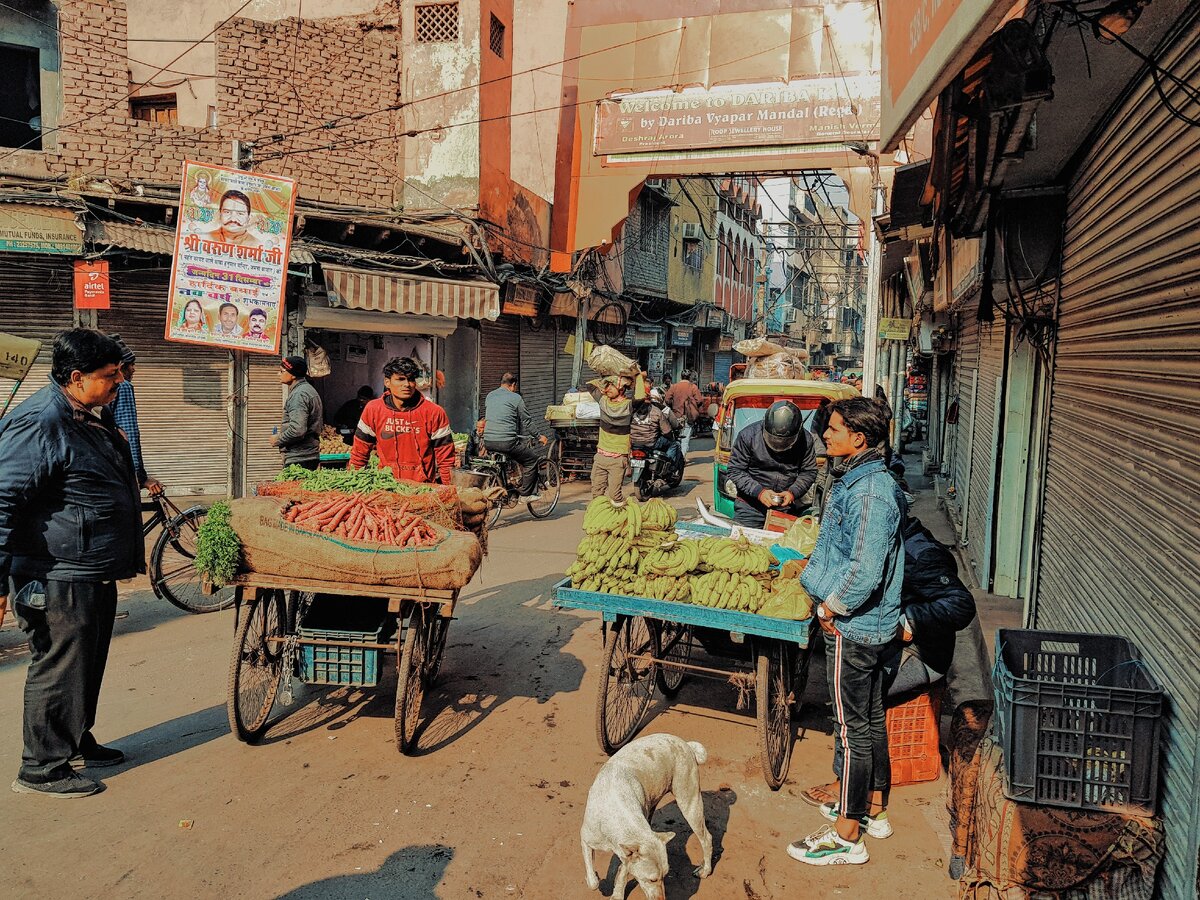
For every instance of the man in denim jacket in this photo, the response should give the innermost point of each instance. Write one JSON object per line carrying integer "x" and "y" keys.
{"x": 856, "y": 571}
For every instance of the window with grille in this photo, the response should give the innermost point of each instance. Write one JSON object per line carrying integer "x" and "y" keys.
{"x": 21, "y": 99}
{"x": 161, "y": 109}
{"x": 437, "y": 23}
{"x": 496, "y": 39}
{"x": 693, "y": 254}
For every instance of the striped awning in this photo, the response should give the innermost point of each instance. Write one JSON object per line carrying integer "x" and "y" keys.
{"x": 411, "y": 294}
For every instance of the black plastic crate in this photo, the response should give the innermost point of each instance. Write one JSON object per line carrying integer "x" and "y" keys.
{"x": 1078, "y": 718}
{"x": 336, "y": 618}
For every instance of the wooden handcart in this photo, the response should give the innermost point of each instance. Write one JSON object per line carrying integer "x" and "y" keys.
{"x": 649, "y": 643}
{"x": 268, "y": 646}
{"x": 575, "y": 446}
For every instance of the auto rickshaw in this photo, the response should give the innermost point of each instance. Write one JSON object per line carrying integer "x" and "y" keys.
{"x": 745, "y": 401}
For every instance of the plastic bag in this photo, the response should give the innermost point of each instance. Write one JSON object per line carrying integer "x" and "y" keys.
{"x": 778, "y": 365}
{"x": 789, "y": 600}
{"x": 318, "y": 361}
{"x": 608, "y": 361}
{"x": 753, "y": 347}
{"x": 802, "y": 536}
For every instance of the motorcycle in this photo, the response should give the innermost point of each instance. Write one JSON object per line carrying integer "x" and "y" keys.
{"x": 655, "y": 471}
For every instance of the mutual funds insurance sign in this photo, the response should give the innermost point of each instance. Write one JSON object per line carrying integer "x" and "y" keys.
{"x": 814, "y": 112}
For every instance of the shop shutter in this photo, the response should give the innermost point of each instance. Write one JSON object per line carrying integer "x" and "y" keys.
{"x": 562, "y": 362}
{"x": 537, "y": 372}
{"x": 35, "y": 302}
{"x": 966, "y": 372}
{"x": 706, "y": 368}
{"x": 264, "y": 411}
{"x": 721, "y": 363}
{"x": 182, "y": 390}
{"x": 1120, "y": 550}
{"x": 499, "y": 352}
{"x": 983, "y": 450}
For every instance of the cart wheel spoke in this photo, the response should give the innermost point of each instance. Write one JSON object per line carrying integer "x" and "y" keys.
{"x": 627, "y": 681}
{"x": 674, "y": 645}
{"x": 775, "y": 700}
{"x": 256, "y": 667}
{"x": 548, "y": 486}
{"x": 413, "y": 668}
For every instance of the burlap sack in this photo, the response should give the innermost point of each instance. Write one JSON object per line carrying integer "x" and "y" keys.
{"x": 753, "y": 347}
{"x": 608, "y": 361}
{"x": 271, "y": 546}
{"x": 777, "y": 365}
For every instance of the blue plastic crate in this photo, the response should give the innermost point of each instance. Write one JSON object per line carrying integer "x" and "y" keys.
{"x": 341, "y": 665}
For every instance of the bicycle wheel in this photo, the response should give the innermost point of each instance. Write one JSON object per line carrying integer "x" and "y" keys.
{"x": 674, "y": 645}
{"x": 775, "y": 699}
{"x": 497, "y": 506}
{"x": 548, "y": 486}
{"x": 626, "y": 682}
{"x": 173, "y": 574}
{"x": 256, "y": 666}
{"x": 413, "y": 666}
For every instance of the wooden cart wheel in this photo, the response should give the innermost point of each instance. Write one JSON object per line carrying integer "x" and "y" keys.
{"x": 626, "y": 682}
{"x": 257, "y": 664}
{"x": 412, "y": 668}
{"x": 675, "y": 645}
{"x": 775, "y": 698}
{"x": 803, "y": 657}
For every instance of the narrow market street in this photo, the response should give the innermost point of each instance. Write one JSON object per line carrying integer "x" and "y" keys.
{"x": 325, "y": 807}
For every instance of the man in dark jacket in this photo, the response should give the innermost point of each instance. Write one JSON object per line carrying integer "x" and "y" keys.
{"x": 299, "y": 438}
{"x": 70, "y": 528}
{"x": 934, "y": 606}
{"x": 772, "y": 464}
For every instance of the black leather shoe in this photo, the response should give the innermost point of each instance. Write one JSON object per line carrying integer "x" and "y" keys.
{"x": 95, "y": 756}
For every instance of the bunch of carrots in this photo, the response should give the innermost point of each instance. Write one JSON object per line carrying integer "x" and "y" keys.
{"x": 362, "y": 518}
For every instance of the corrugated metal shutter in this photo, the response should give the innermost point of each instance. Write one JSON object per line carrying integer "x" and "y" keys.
{"x": 499, "y": 352}
{"x": 537, "y": 372}
{"x": 35, "y": 302}
{"x": 1120, "y": 551}
{"x": 721, "y": 363}
{"x": 182, "y": 390}
{"x": 966, "y": 371}
{"x": 264, "y": 411}
{"x": 562, "y": 363}
{"x": 983, "y": 450}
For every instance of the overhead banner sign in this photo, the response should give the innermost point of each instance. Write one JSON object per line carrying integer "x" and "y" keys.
{"x": 91, "y": 285}
{"x": 808, "y": 111}
{"x": 925, "y": 44}
{"x": 39, "y": 229}
{"x": 17, "y": 355}
{"x": 229, "y": 269}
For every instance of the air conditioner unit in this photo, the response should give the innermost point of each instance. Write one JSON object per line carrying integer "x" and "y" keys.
{"x": 692, "y": 232}
{"x": 659, "y": 184}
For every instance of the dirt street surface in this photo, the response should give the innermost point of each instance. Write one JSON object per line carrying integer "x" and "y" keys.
{"x": 325, "y": 807}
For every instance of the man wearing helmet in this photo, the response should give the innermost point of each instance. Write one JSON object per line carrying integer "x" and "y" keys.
{"x": 773, "y": 464}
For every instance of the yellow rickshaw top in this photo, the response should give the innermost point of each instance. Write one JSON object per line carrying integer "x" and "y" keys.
{"x": 783, "y": 387}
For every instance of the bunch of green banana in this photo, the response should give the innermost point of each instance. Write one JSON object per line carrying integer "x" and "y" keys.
{"x": 725, "y": 590}
{"x": 738, "y": 556}
{"x": 678, "y": 590}
{"x": 605, "y": 517}
{"x": 609, "y": 583}
{"x": 674, "y": 559}
{"x": 650, "y": 538}
{"x": 658, "y": 515}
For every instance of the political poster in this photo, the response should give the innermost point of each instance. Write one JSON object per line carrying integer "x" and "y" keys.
{"x": 229, "y": 270}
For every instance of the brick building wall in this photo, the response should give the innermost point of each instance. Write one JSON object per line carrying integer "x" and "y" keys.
{"x": 267, "y": 83}
{"x": 647, "y": 245}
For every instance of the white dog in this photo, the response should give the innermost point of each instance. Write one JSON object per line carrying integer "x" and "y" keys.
{"x": 623, "y": 797}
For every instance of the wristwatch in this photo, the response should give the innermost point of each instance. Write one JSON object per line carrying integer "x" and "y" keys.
{"x": 822, "y": 611}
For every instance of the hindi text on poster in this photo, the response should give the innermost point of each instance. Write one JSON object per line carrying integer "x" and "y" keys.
{"x": 229, "y": 270}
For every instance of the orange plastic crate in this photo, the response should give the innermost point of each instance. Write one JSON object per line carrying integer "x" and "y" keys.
{"x": 913, "y": 728}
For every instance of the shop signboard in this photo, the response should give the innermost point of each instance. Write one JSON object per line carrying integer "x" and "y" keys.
{"x": 656, "y": 361}
{"x": 229, "y": 270}
{"x": 894, "y": 329}
{"x": 725, "y": 344}
{"x": 17, "y": 355}
{"x": 681, "y": 336}
{"x": 91, "y": 284}
{"x": 643, "y": 337}
{"x": 25, "y": 228}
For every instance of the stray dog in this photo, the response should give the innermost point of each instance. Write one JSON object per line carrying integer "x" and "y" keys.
{"x": 623, "y": 797}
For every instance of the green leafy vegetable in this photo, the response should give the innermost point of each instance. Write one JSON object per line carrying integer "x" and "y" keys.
{"x": 218, "y": 550}
{"x": 351, "y": 481}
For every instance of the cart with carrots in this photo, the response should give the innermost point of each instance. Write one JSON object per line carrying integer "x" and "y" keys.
{"x": 331, "y": 582}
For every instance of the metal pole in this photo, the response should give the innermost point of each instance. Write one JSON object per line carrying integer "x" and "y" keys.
{"x": 239, "y": 383}
{"x": 16, "y": 387}
{"x": 874, "y": 267}
{"x": 580, "y": 338}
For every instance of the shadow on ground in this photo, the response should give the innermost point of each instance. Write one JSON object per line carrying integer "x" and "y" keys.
{"x": 409, "y": 874}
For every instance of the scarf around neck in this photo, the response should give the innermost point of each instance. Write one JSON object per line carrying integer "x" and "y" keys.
{"x": 848, "y": 464}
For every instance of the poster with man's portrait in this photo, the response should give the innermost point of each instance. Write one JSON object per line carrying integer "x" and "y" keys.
{"x": 229, "y": 271}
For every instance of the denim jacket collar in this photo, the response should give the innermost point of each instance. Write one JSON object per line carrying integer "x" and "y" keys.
{"x": 860, "y": 472}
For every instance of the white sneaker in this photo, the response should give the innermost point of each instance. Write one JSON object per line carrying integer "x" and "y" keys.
{"x": 878, "y": 826}
{"x": 827, "y": 848}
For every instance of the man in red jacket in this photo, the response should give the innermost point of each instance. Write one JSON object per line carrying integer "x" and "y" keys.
{"x": 410, "y": 434}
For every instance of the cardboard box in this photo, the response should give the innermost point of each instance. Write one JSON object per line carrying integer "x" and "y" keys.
{"x": 554, "y": 413}
{"x": 778, "y": 522}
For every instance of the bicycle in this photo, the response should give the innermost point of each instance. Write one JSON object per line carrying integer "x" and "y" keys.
{"x": 172, "y": 567}
{"x": 502, "y": 472}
